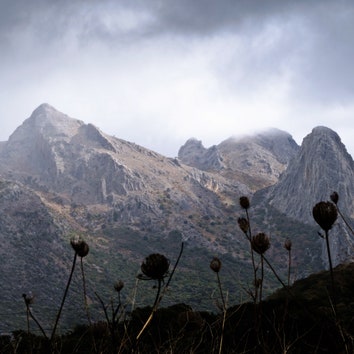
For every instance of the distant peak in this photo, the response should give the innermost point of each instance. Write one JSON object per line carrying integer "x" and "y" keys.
{"x": 323, "y": 130}
{"x": 44, "y": 107}
{"x": 194, "y": 141}
{"x": 48, "y": 121}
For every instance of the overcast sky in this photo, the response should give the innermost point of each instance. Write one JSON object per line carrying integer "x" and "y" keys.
{"x": 157, "y": 72}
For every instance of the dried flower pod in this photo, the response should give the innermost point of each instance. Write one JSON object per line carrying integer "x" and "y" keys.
{"x": 80, "y": 247}
{"x": 334, "y": 197}
{"x": 287, "y": 245}
{"x": 260, "y": 243}
{"x": 119, "y": 285}
{"x": 155, "y": 266}
{"x": 244, "y": 202}
{"x": 29, "y": 298}
{"x": 215, "y": 265}
{"x": 325, "y": 214}
{"x": 243, "y": 224}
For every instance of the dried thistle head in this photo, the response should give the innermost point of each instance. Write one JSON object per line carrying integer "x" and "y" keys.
{"x": 260, "y": 243}
{"x": 155, "y": 266}
{"x": 325, "y": 214}
{"x": 243, "y": 224}
{"x": 80, "y": 247}
{"x": 244, "y": 202}
{"x": 287, "y": 245}
{"x": 29, "y": 298}
{"x": 334, "y": 197}
{"x": 118, "y": 286}
{"x": 215, "y": 265}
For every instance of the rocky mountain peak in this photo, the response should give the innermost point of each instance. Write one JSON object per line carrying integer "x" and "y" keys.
{"x": 47, "y": 121}
{"x": 279, "y": 143}
{"x": 193, "y": 153}
{"x": 256, "y": 160}
{"x": 322, "y": 166}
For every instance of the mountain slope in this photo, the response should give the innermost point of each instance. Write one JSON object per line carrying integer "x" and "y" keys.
{"x": 60, "y": 176}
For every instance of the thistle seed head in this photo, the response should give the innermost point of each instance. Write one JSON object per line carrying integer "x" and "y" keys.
{"x": 215, "y": 265}
{"x": 80, "y": 247}
{"x": 155, "y": 266}
{"x": 260, "y": 243}
{"x": 243, "y": 224}
{"x": 334, "y": 197}
{"x": 29, "y": 298}
{"x": 287, "y": 245}
{"x": 325, "y": 214}
{"x": 118, "y": 286}
{"x": 244, "y": 203}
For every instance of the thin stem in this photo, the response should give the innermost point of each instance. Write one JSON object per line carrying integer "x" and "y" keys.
{"x": 330, "y": 265}
{"x": 154, "y": 308}
{"x": 223, "y": 323}
{"x": 262, "y": 277}
{"x": 64, "y": 297}
{"x": 27, "y": 313}
{"x": 289, "y": 267}
{"x": 221, "y": 292}
{"x": 85, "y": 292}
{"x": 36, "y": 321}
{"x": 252, "y": 257}
{"x": 159, "y": 297}
{"x": 276, "y": 275}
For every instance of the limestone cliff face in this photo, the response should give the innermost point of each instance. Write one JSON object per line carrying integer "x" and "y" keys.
{"x": 322, "y": 166}
{"x": 256, "y": 161}
{"x": 53, "y": 153}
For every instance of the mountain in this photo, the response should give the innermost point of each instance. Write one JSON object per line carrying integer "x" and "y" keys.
{"x": 256, "y": 161}
{"x": 61, "y": 177}
{"x": 77, "y": 163}
{"x": 322, "y": 166}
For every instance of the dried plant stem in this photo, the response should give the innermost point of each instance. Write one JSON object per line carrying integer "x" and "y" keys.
{"x": 223, "y": 322}
{"x": 160, "y": 294}
{"x": 262, "y": 277}
{"x": 85, "y": 292}
{"x": 249, "y": 237}
{"x": 64, "y": 298}
{"x": 221, "y": 292}
{"x": 289, "y": 267}
{"x": 330, "y": 266}
{"x": 30, "y": 314}
{"x": 154, "y": 309}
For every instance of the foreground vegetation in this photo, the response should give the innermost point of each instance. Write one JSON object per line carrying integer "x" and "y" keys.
{"x": 313, "y": 315}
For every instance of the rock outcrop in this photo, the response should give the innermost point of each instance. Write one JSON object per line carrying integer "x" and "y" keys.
{"x": 322, "y": 166}
{"x": 256, "y": 161}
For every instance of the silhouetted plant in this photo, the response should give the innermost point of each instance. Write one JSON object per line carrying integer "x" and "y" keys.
{"x": 215, "y": 266}
{"x": 260, "y": 244}
{"x": 156, "y": 267}
{"x": 288, "y": 246}
{"x": 117, "y": 315}
{"x": 81, "y": 249}
{"x": 245, "y": 226}
{"x": 325, "y": 214}
{"x": 29, "y": 300}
